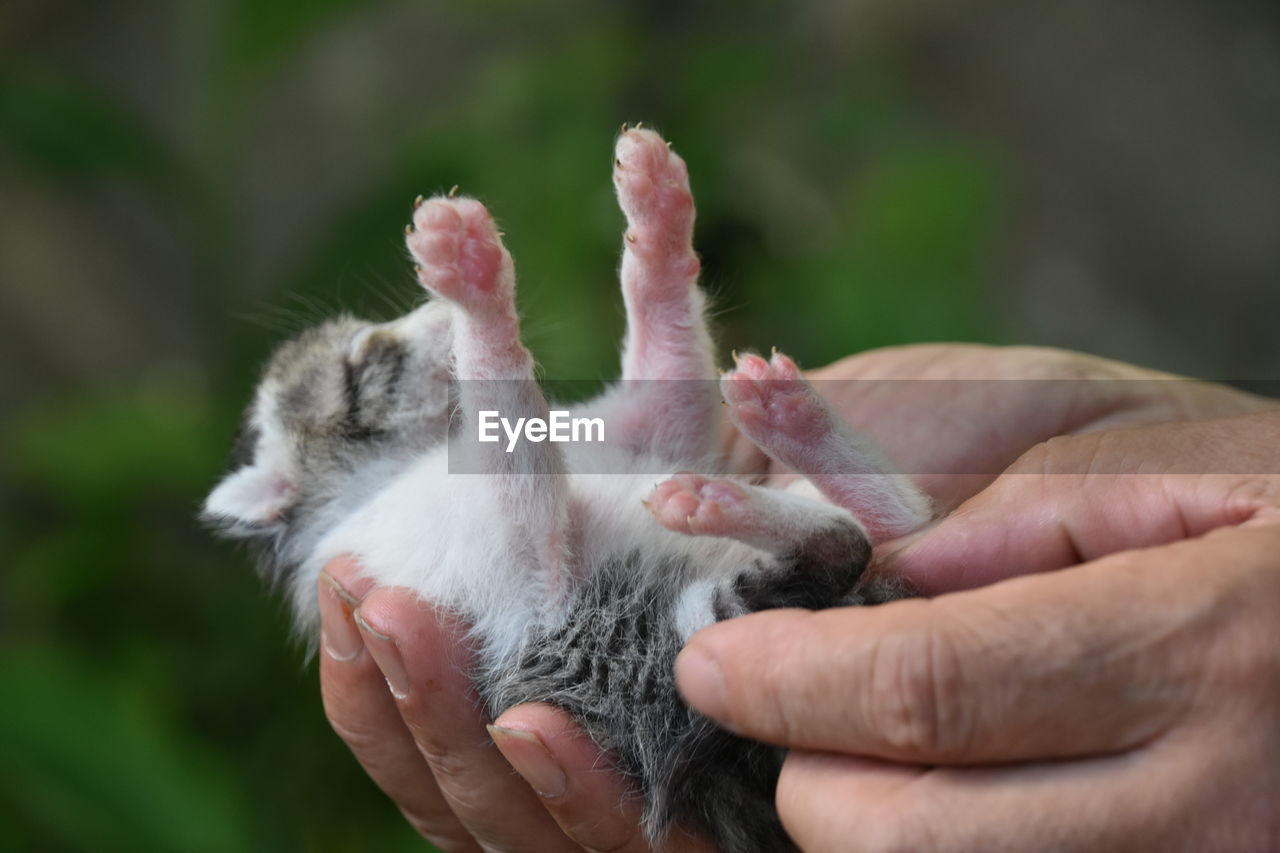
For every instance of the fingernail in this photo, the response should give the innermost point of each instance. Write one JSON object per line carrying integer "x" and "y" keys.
{"x": 701, "y": 682}
{"x": 338, "y": 635}
{"x": 531, "y": 760}
{"x": 386, "y": 653}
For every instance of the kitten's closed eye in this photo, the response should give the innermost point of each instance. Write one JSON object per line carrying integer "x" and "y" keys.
{"x": 372, "y": 377}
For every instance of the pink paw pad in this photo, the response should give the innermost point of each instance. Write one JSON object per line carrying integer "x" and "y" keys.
{"x": 691, "y": 503}
{"x": 773, "y": 397}
{"x": 653, "y": 189}
{"x": 458, "y": 252}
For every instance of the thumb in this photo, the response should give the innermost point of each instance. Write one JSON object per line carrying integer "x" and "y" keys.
{"x": 1093, "y": 660}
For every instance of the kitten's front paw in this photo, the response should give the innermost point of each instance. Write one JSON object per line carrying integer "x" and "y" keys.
{"x": 770, "y": 400}
{"x": 653, "y": 191}
{"x": 459, "y": 253}
{"x": 691, "y": 503}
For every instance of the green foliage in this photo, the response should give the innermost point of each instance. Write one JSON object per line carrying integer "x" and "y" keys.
{"x": 71, "y": 132}
{"x": 153, "y": 701}
{"x": 131, "y": 780}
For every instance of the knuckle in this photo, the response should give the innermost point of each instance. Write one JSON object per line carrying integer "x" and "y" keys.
{"x": 1250, "y": 494}
{"x": 357, "y": 731}
{"x": 448, "y": 765}
{"x": 360, "y": 739}
{"x": 490, "y": 823}
{"x": 914, "y": 694}
{"x": 347, "y": 707}
{"x": 450, "y": 750}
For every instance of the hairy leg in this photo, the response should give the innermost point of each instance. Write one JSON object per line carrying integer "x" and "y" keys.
{"x": 773, "y": 405}
{"x": 819, "y": 550}
{"x": 461, "y": 259}
{"x": 770, "y": 519}
{"x": 667, "y": 400}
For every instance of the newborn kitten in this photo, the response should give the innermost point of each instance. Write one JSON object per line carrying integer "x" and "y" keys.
{"x": 581, "y": 578}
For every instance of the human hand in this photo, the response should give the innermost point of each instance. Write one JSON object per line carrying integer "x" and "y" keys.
{"x": 394, "y": 684}
{"x": 1130, "y": 703}
{"x": 953, "y": 416}
{"x": 464, "y": 793}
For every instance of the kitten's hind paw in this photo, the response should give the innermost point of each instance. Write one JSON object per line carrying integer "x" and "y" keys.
{"x": 774, "y": 406}
{"x": 791, "y": 527}
{"x": 771, "y": 401}
{"x": 703, "y": 506}
{"x": 459, "y": 254}
{"x": 653, "y": 191}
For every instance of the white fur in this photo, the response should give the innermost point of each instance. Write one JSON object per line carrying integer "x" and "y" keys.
{"x": 446, "y": 537}
{"x": 693, "y": 610}
{"x": 259, "y": 493}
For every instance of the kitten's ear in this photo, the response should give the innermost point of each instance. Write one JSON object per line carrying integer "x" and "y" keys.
{"x": 256, "y": 496}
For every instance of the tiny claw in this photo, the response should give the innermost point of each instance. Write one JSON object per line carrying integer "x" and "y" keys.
{"x": 417, "y": 268}
{"x": 645, "y": 503}
{"x": 417, "y": 202}
{"x": 408, "y": 229}
{"x": 625, "y": 127}
{"x": 639, "y": 125}
{"x": 629, "y": 237}
{"x": 735, "y": 354}
{"x": 617, "y": 163}
{"x": 453, "y": 191}
{"x": 688, "y": 521}
{"x": 773, "y": 352}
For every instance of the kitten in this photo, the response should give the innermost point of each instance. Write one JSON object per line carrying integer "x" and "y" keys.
{"x": 581, "y": 578}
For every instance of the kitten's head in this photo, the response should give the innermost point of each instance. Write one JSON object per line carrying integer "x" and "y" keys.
{"x": 334, "y": 402}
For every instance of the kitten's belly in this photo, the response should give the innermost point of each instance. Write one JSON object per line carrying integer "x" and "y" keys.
{"x": 446, "y": 537}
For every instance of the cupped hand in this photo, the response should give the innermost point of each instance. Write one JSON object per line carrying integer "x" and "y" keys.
{"x": 394, "y": 684}
{"x": 1129, "y": 703}
{"x": 954, "y": 416}
{"x": 424, "y": 741}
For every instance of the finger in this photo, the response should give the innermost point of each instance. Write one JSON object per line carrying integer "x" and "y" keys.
{"x": 1070, "y": 500}
{"x": 839, "y": 803}
{"x": 423, "y": 654}
{"x": 590, "y": 800}
{"x": 981, "y": 407}
{"x": 364, "y": 715}
{"x": 1056, "y": 665}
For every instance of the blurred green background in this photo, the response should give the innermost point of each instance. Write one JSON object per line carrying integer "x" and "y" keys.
{"x": 184, "y": 183}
